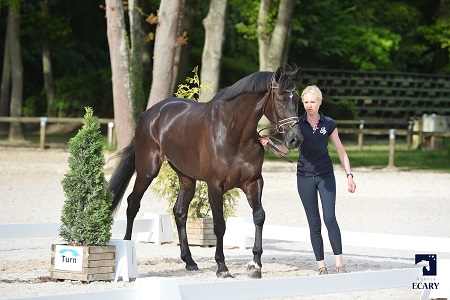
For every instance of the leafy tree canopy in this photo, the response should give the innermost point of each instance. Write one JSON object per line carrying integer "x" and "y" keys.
{"x": 395, "y": 35}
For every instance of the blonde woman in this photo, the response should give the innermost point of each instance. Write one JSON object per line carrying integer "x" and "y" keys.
{"x": 315, "y": 176}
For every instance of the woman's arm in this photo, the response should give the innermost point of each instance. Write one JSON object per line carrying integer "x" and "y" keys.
{"x": 343, "y": 157}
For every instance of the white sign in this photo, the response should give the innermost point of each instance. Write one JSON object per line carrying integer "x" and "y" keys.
{"x": 68, "y": 258}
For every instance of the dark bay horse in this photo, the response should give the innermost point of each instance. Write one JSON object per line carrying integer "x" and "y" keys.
{"x": 216, "y": 142}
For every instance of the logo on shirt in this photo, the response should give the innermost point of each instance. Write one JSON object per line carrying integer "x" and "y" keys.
{"x": 323, "y": 130}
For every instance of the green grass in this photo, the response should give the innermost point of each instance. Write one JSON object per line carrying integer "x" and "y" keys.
{"x": 374, "y": 154}
{"x": 377, "y": 156}
{"x": 415, "y": 159}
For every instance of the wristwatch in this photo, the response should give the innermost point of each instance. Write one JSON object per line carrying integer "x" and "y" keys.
{"x": 349, "y": 174}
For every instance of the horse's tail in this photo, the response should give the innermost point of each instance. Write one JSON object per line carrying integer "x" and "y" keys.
{"x": 122, "y": 175}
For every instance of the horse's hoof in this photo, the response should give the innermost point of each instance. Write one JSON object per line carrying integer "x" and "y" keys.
{"x": 254, "y": 272}
{"x": 225, "y": 274}
{"x": 192, "y": 268}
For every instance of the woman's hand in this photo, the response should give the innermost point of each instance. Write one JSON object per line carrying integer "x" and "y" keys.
{"x": 263, "y": 140}
{"x": 351, "y": 184}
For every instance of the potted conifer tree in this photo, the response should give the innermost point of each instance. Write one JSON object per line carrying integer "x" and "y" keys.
{"x": 86, "y": 214}
{"x": 200, "y": 223}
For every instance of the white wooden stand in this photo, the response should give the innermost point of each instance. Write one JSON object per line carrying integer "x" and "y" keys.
{"x": 160, "y": 231}
{"x": 126, "y": 260}
{"x": 239, "y": 233}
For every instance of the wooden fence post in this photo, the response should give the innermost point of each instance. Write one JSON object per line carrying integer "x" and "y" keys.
{"x": 361, "y": 135}
{"x": 409, "y": 135}
{"x": 391, "y": 148}
{"x": 42, "y": 135}
{"x": 110, "y": 134}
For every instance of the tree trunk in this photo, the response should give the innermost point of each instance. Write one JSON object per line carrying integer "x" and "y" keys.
{"x": 189, "y": 12}
{"x": 6, "y": 83}
{"x": 137, "y": 35}
{"x": 47, "y": 64}
{"x": 164, "y": 51}
{"x": 180, "y": 43}
{"x": 119, "y": 55}
{"x": 280, "y": 33}
{"x": 272, "y": 52}
{"x": 263, "y": 34}
{"x": 15, "y": 130}
{"x": 214, "y": 24}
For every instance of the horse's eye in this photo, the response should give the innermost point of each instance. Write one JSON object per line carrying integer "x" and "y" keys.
{"x": 280, "y": 101}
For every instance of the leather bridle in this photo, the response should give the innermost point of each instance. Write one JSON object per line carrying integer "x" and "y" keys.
{"x": 280, "y": 127}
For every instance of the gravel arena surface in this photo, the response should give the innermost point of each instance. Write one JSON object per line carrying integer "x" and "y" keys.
{"x": 386, "y": 201}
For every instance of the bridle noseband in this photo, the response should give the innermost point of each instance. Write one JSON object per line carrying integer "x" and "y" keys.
{"x": 286, "y": 122}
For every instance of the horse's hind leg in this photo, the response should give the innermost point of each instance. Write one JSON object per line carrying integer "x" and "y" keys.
{"x": 180, "y": 212}
{"x": 144, "y": 178}
{"x": 215, "y": 195}
{"x": 253, "y": 191}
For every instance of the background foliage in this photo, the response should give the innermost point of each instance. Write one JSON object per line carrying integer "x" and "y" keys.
{"x": 397, "y": 35}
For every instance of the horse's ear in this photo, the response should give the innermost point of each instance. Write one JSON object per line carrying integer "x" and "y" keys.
{"x": 296, "y": 74}
{"x": 278, "y": 74}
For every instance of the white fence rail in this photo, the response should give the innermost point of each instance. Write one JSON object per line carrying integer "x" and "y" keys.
{"x": 240, "y": 233}
{"x": 52, "y": 229}
{"x": 168, "y": 288}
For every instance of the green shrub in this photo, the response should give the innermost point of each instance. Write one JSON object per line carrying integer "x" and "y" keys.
{"x": 34, "y": 106}
{"x": 86, "y": 215}
{"x": 92, "y": 89}
{"x": 73, "y": 94}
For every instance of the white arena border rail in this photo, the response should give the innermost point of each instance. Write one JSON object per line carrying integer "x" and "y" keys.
{"x": 52, "y": 229}
{"x": 168, "y": 288}
{"x": 240, "y": 233}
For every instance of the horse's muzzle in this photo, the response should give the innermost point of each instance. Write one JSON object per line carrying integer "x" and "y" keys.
{"x": 293, "y": 138}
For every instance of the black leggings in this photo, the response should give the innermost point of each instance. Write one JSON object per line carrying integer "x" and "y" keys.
{"x": 307, "y": 189}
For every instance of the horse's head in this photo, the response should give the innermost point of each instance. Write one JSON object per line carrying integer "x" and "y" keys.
{"x": 281, "y": 106}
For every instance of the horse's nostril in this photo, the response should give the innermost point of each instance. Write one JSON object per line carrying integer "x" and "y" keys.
{"x": 293, "y": 142}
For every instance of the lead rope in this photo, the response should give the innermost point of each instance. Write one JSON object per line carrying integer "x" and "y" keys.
{"x": 280, "y": 151}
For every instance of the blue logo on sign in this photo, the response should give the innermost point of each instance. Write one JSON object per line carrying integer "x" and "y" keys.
{"x": 73, "y": 252}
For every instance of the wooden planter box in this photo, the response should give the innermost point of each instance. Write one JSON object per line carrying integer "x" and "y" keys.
{"x": 84, "y": 263}
{"x": 200, "y": 232}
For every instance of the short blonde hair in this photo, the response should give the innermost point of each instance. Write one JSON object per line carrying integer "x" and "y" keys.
{"x": 312, "y": 89}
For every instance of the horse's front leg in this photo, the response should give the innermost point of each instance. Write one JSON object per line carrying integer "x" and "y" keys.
{"x": 180, "y": 212}
{"x": 253, "y": 191}
{"x": 215, "y": 195}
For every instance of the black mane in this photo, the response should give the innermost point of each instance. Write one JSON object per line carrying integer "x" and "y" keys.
{"x": 256, "y": 83}
{"x": 253, "y": 83}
